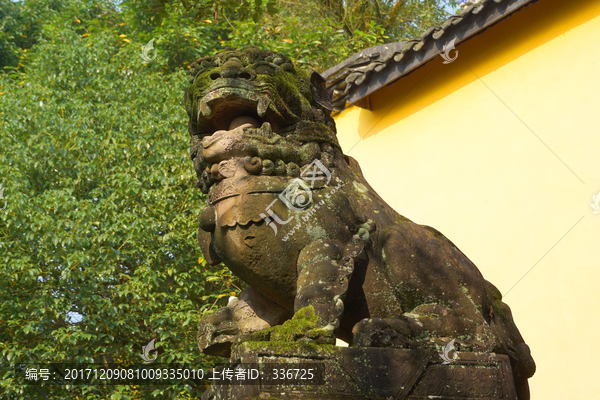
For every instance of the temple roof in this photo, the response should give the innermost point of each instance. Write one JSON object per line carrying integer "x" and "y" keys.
{"x": 354, "y": 79}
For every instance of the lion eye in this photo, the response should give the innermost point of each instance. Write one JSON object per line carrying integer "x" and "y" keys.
{"x": 265, "y": 70}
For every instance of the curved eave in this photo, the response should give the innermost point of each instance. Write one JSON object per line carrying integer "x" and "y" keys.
{"x": 354, "y": 79}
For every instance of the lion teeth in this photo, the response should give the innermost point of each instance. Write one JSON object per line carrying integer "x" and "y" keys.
{"x": 262, "y": 106}
{"x": 205, "y": 109}
{"x": 266, "y": 130}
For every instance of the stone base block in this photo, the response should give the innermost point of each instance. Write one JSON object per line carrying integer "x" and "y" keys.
{"x": 349, "y": 373}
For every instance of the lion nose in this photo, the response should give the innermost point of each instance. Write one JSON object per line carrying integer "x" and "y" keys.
{"x": 232, "y": 69}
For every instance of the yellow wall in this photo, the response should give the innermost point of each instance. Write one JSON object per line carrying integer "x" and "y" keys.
{"x": 500, "y": 151}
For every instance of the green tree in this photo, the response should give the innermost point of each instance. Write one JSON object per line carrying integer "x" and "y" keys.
{"x": 97, "y": 240}
{"x": 399, "y": 19}
{"x": 322, "y": 33}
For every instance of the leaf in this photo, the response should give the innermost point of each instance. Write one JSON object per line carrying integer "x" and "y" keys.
{"x": 272, "y": 7}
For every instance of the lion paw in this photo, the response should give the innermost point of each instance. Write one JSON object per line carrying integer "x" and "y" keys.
{"x": 217, "y": 332}
{"x": 377, "y": 332}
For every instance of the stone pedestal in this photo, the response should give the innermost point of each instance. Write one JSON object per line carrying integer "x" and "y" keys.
{"x": 347, "y": 373}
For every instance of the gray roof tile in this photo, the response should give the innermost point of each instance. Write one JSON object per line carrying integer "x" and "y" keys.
{"x": 352, "y": 79}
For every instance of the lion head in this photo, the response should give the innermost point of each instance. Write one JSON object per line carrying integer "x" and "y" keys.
{"x": 254, "y": 103}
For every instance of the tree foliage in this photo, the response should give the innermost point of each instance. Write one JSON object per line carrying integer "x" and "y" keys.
{"x": 399, "y": 19}
{"x": 97, "y": 250}
{"x": 98, "y": 217}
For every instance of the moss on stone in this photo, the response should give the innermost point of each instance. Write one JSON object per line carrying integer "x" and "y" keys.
{"x": 304, "y": 320}
{"x": 300, "y": 334}
{"x": 293, "y": 347}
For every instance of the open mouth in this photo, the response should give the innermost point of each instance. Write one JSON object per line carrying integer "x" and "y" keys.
{"x": 228, "y": 108}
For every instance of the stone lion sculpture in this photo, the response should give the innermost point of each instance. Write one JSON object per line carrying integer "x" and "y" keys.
{"x": 295, "y": 219}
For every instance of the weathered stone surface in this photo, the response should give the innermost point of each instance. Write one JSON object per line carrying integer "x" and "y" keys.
{"x": 250, "y": 313}
{"x": 294, "y": 217}
{"x": 371, "y": 373}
